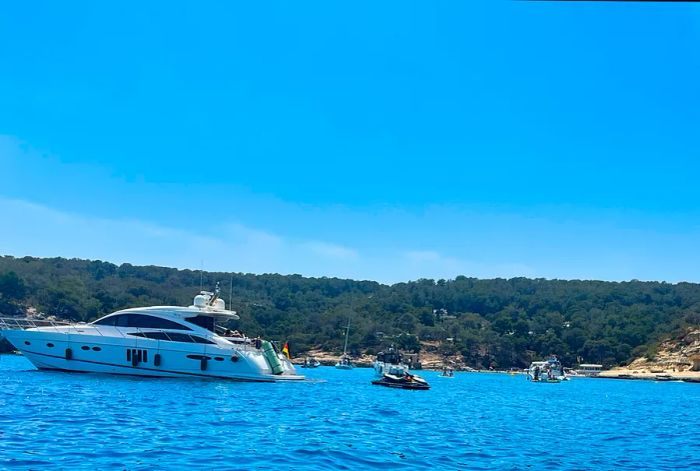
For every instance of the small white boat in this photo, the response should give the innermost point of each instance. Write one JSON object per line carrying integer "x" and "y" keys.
{"x": 161, "y": 341}
{"x": 550, "y": 371}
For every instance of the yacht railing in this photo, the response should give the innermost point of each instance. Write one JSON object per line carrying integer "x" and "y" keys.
{"x": 16, "y": 323}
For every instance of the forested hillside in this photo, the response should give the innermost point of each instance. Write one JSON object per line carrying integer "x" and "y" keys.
{"x": 497, "y": 322}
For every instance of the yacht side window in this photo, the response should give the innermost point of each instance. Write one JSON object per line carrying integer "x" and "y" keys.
{"x": 151, "y": 322}
{"x": 175, "y": 337}
{"x": 157, "y": 335}
{"x": 206, "y": 322}
{"x": 106, "y": 320}
{"x": 172, "y": 336}
{"x": 142, "y": 321}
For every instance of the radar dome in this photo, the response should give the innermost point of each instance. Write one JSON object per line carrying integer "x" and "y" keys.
{"x": 219, "y": 305}
{"x": 200, "y": 301}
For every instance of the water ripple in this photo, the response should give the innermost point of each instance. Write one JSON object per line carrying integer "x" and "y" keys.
{"x": 475, "y": 421}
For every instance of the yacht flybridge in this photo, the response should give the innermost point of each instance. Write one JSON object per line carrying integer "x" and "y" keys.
{"x": 167, "y": 341}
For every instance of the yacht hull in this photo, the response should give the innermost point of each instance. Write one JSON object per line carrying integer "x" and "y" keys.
{"x": 86, "y": 353}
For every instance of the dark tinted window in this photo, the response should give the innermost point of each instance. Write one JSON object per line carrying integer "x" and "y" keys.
{"x": 203, "y": 321}
{"x": 175, "y": 337}
{"x": 200, "y": 339}
{"x": 137, "y": 334}
{"x": 106, "y": 320}
{"x": 141, "y": 320}
{"x": 150, "y": 322}
{"x": 157, "y": 335}
{"x": 120, "y": 320}
{"x": 198, "y": 357}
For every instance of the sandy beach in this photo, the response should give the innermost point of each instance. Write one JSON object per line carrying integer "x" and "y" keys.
{"x": 652, "y": 375}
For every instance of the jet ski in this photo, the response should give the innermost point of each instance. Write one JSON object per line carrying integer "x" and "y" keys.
{"x": 407, "y": 381}
{"x": 392, "y": 372}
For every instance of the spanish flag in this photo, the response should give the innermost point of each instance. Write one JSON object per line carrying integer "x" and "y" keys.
{"x": 285, "y": 349}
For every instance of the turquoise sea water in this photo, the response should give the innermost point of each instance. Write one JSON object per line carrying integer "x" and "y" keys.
{"x": 53, "y": 420}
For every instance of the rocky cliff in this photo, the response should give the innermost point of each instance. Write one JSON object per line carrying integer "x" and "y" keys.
{"x": 676, "y": 355}
{"x": 677, "y": 358}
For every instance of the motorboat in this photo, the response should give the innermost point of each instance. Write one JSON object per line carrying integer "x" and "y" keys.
{"x": 549, "y": 371}
{"x": 344, "y": 362}
{"x": 161, "y": 341}
{"x": 310, "y": 362}
{"x": 393, "y": 372}
{"x": 402, "y": 382}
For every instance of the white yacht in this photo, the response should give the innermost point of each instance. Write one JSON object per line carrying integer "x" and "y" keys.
{"x": 166, "y": 341}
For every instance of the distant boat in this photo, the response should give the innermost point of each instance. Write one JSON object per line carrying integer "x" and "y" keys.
{"x": 549, "y": 371}
{"x": 344, "y": 362}
{"x": 310, "y": 362}
{"x": 392, "y": 372}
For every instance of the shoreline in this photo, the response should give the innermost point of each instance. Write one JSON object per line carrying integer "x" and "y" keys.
{"x": 328, "y": 359}
{"x": 616, "y": 374}
{"x": 644, "y": 375}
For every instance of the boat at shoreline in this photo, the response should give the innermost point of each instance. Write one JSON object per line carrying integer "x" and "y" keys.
{"x": 393, "y": 372}
{"x": 310, "y": 362}
{"x": 157, "y": 341}
{"x": 344, "y": 363}
{"x": 549, "y": 371}
{"x": 588, "y": 369}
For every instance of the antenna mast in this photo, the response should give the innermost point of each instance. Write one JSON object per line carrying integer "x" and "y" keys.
{"x": 230, "y": 293}
{"x": 201, "y": 275}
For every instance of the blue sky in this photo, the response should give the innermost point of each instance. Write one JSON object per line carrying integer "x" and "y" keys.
{"x": 388, "y": 141}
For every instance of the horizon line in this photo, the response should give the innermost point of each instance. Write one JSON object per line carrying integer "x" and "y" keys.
{"x": 195, "y": 270}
